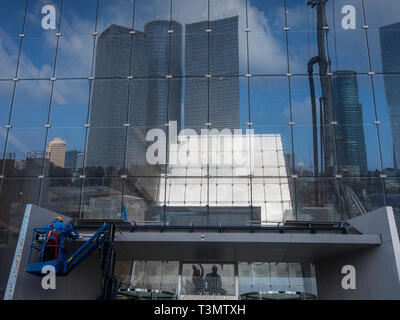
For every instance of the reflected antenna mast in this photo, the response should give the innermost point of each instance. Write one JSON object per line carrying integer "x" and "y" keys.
{"x": 327, "y": 132}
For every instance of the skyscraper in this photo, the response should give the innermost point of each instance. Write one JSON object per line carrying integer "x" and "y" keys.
{"x": 118, "y": 102}
{"x": 164, "y": 47}
{"x": 212, "y": 49}
{"x": 350, "y": 139}
{"x": 141, "y": 102}
{"x": 56, "y": 152}
{"x": 73, "y": 159}
{"x": 390, "y": 50}
{"x": 70, "y": 159}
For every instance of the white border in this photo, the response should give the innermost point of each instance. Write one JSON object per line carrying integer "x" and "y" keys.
{"x": 12, "y": 278}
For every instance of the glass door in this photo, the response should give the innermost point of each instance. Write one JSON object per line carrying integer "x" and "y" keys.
{"x": 207, "y": 279}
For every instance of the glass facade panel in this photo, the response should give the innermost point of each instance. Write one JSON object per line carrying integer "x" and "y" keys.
{"x": 6, "y": 91}
{"x": 208, "y": 279}
{"x": 227, "y": 38}
{"x": 62, "y": 194}
{"x": 78, "y": 35}
{"x": 101, "y": 198}
{"x": 270, "y": 102}
{"x": 383, "y": 34}
{"x": 388, "y": 111}
{"x": 362, "y": 195}
{"x": 266, "y": 38}
{"x": 39, "y": 46}
{"x": 70, "y": 110}
{"x": 25, "y": 146}
{"x": 392, "y": 191}
{"x": 31, "y": 104}
{"x": 11, "y": 26}
{"x": 317, "y": 199}
{"x": 159, "y": 275}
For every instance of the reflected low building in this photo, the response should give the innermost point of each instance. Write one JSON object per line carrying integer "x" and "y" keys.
{"x": 220, "y": 180}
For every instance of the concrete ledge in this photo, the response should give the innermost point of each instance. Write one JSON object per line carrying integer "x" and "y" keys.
{"x": 377, "y": 268}
{"x": 238, "y": 246}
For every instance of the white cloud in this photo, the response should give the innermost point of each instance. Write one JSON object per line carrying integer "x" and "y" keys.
{"x": 14, "y": 141}
{"x": 301, "y": 112}
{"x": 8, "y": 55}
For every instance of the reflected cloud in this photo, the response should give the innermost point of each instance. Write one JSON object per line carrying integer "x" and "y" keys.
{"x": 15, "y": 142}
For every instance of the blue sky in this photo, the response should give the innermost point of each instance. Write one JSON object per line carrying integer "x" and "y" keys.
{"x": 267, "y": 52}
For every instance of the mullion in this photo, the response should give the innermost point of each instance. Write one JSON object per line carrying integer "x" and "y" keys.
{"x": 50, "y": 102}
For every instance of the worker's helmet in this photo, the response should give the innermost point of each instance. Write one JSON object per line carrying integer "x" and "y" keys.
{"x": 60, "y": 219}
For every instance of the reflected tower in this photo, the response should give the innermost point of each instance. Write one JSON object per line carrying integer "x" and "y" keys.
{"x": 141, "y": 102}
{"x": 164, "y": 47}
{"x": 216, "y": 100}
{"x": 116, "y": 102}
{"x": 390, "y": 50}
{"x": 350, "y": 139}
{"x": 56, "y": 152}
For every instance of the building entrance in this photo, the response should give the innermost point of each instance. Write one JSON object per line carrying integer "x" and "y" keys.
{"x": 208, "y": 280}
{"x": 188, "y": 280}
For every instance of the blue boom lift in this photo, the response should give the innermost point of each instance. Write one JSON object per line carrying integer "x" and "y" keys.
{"x": 64, "y": 262}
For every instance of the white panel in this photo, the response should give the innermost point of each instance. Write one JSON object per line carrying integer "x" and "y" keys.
{"x": 266, "y": 151}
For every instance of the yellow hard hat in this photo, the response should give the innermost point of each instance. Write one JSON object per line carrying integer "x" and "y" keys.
{"x": 59, "y": 218}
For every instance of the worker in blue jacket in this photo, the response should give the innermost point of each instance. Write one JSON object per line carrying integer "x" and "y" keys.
{"x": 53, "y": 231}
{"x": 57, "y": 224}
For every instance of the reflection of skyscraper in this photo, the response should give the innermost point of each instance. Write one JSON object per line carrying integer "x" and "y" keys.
{"x": 110, "y": 108}
{"x": 56, "y": 152}
{"x": 141, "y": 101}
{"x": 350, "y": 140}
{"x": 165, "y": 58}
{"x": 79, "y": 160}
{"x": 73, "y": 159}
{"x": 217, "y": 55}
{"x": 390, "y": 48}
{"x": 70, "y": 159}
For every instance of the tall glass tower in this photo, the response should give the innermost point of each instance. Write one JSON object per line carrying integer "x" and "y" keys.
{"x": 115, "y": 103}
{"x": 350, "y": 139}
{"x": 390, "y": 50}
{"x": 141, "y": 102}
{"x": 165, "y": 58}
{"x": 214, "y": 100}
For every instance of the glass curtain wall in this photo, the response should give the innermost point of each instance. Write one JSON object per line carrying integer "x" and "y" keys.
{"x": 94, "y": 94}
{"x": 152, "y": 279}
